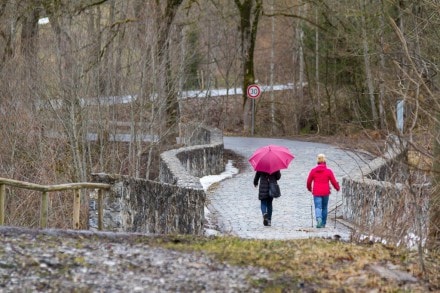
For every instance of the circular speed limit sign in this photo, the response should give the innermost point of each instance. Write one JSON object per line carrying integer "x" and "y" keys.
{"x": 253, "y": 91}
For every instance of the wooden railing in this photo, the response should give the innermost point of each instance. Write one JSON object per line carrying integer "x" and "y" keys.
{"x": 45, "y": 189}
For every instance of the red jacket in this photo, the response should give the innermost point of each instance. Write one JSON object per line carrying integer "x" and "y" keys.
{"x": 321, "y": 176}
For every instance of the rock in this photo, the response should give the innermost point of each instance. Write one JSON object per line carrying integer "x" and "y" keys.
{"x": 392, "y": 273}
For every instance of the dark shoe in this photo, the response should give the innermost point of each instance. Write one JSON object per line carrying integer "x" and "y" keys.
{"x": 265, "y": 220}
{"x": 269, "y": 222}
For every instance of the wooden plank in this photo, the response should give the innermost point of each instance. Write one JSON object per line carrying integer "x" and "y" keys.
{"x": 59, "y": 187}
{"x": 73, "y": 186}
{"x": 100, "y": 209}
{"x": 44, "y": 210}
{"x": 76, "y": 209}
{"x": 2, "y": 203}
{"x": 22, "y": 184}
{"x": 44, "y": 198}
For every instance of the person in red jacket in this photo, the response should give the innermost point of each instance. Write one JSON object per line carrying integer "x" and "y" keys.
{"x": 318, "y": 183}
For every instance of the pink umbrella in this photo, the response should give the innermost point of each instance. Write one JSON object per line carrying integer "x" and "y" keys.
{"x": 271, "y": 158}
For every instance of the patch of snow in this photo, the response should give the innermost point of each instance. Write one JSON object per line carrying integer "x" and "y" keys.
{"x": 207, "y": 181}
{"x": 230, "y": 171}
{"x": 410, "y": 241}
{"x": 43, "y": 20}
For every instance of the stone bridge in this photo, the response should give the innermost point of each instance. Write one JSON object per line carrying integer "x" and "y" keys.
{"x": 176, "y": 203}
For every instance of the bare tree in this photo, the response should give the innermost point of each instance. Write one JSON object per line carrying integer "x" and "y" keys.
{"x": 69, "y": 77}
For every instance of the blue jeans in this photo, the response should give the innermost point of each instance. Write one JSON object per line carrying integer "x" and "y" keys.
{"x": 321, "y": 205}
{"x": 266, "y": 207}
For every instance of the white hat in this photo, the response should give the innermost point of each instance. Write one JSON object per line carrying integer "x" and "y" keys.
{"x": 320, "y": 158}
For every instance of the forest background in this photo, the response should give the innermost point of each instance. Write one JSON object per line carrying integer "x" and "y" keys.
{"x": 100, "y": 85}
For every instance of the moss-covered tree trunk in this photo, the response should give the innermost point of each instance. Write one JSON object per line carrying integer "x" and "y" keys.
{"x": 165, "y": 20}
{"x": 250, "y": 11}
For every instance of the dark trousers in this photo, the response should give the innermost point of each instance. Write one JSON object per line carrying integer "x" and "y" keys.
{"x": 266, "y": 207}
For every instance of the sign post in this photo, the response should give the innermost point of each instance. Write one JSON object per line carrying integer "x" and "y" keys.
{"x": 399, "y": 109}
{"x": 253, "y": 92}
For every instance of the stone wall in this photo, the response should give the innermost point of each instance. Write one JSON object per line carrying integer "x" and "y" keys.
{"x": 374, "y": 201}
{"x": 176, "y": 203}
{"x": 146, "y": 206}
{"x": 202, "y": 156}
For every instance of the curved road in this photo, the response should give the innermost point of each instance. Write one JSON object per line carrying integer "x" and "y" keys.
{"x": 235, "y": 206}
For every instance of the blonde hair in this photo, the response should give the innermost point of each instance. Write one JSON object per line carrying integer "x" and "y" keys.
{"x": 320, "y": 158}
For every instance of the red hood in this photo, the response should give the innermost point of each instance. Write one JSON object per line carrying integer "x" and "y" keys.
{"x": 321, "y": 168}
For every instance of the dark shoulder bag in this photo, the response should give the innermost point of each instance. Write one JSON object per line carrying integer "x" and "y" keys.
{"x": 274, "y": 189}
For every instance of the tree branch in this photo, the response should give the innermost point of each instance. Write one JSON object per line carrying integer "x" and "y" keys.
{"x": 294, "y": 16}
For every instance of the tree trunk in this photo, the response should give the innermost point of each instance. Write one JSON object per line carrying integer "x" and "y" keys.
{"x": 272, "y": 65}
{"x": 249, "y": 18}
{"x": 382, "y": 114}
{"x": 367, "y": 64}
{"x": 165, "y": 20}
{"x": 434, "y": 203}
{"x": 7, "y": 34}
{"x": 29, "y": 44}
{"x": 317, "y": 77}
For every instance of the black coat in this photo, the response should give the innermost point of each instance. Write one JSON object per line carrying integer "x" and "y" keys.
{"x": 264, "y": 178}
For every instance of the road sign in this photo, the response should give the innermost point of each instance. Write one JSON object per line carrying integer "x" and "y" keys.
{"x": 253, "y": 91}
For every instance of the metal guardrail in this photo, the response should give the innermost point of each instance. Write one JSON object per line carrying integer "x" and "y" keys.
{"x": 45, "y": 189}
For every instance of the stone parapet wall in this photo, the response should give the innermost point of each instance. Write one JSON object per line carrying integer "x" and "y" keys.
{"x": 366, "y": 193}
{"x": 372, "y": 200}
{"x": 366, "y": 201}
{"x": 176, "y": 203}
{"x": 186, "y": 165}
{"x": 146, "y": 206}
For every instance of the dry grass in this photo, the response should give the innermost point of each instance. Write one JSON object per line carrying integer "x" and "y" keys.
{"x": 319, "y": 265}
{"x": 307, "y": 265}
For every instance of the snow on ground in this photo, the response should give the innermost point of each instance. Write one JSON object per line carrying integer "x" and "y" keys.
{"x": 230, "y": 171}
{"x": 207, "y": 181}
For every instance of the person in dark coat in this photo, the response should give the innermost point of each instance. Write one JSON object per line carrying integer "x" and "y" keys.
{"x": 318, "y": 183}
{"x": 263, "y": 179}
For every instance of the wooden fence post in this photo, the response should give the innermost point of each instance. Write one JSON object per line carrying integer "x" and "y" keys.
{"x": 44, "y": 206}
{"x": 44, "y": 210}
{"x": 2, "y": 203}
{"x": 76, "y": 208}
{"x": 100, "y": 209}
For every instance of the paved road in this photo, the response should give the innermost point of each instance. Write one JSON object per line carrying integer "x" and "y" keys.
{"x": 235, "y": 205}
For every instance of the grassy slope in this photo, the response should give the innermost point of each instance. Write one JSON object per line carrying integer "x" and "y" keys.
{"x": 320, "y": 265}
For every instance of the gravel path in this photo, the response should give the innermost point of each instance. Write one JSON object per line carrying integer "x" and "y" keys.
{"x": 82, "y": 261}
